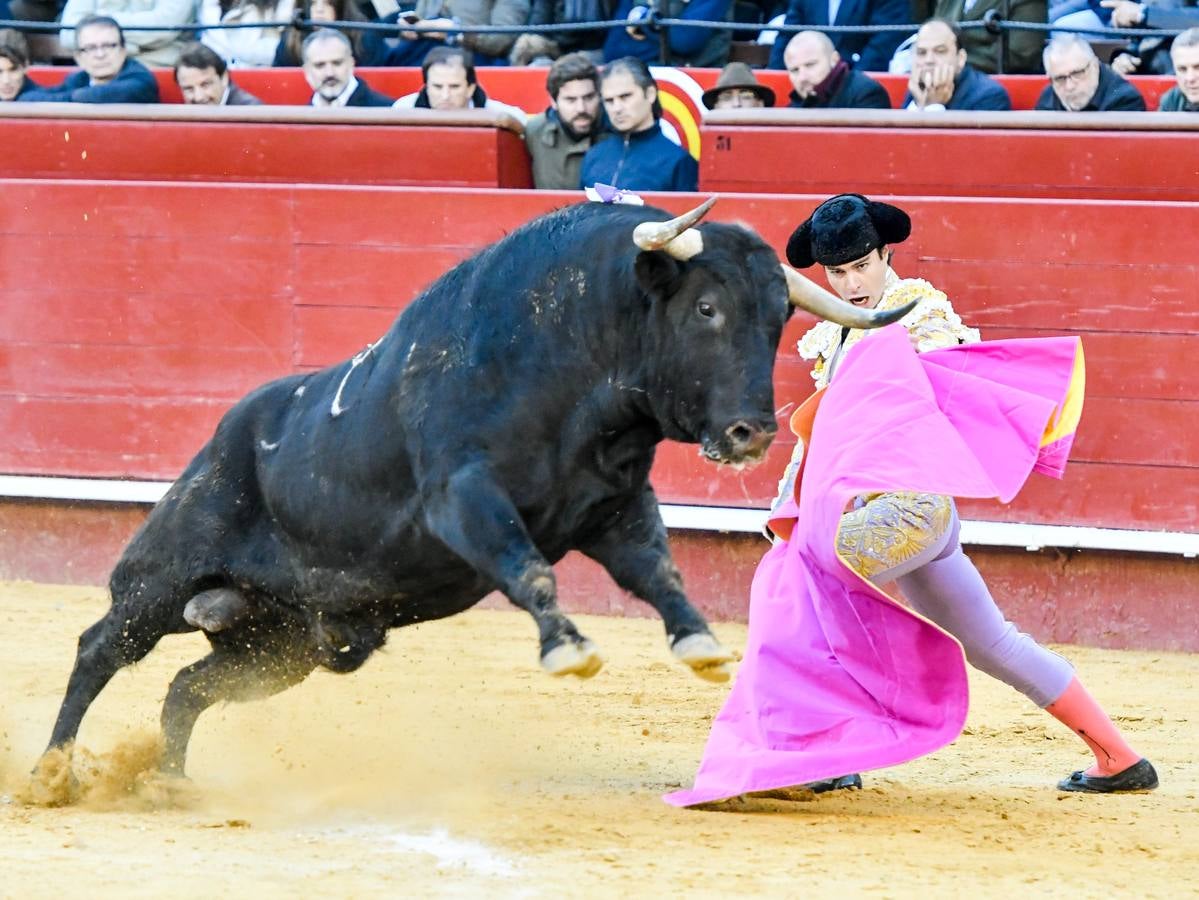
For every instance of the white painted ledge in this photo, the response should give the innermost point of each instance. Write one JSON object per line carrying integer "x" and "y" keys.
{"x": 688, "y": 518}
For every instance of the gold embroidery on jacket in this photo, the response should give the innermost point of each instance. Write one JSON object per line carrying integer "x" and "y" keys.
{"x": 891, "y": 529}
{"x": 933, "y": 322}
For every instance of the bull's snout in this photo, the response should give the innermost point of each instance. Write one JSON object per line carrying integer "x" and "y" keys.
{"x": 750, "y": 439}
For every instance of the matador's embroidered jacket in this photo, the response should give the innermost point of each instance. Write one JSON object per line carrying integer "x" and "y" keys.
{"x": 884, "y": 531}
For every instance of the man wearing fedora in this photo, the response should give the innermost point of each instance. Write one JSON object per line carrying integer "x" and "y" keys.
{"x": 913, "y": 538}
{"x": 738, "y": 88}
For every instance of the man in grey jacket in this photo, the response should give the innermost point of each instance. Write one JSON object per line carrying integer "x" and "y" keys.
{"x": 558, "y": 138}
{"x": 203, "y": 78}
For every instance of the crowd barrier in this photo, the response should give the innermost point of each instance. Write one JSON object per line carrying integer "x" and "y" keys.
{"x": 140, "y": 312}
{"x": 525, "y": 86}
{"x": 1117, "y": 156}
{"x": 468, "y": 148}
{"x": 137, "y": 313}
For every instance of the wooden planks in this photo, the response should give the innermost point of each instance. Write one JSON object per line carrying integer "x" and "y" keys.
{"x": 127, "y": 333}
{"x": 395, "y": 154}
{"x": 951, "y": 162}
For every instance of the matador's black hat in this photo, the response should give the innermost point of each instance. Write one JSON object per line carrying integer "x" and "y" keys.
{"x": 845, "y": 228}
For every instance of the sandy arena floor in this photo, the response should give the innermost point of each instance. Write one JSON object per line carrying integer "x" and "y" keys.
{"x": 451, "y": 766}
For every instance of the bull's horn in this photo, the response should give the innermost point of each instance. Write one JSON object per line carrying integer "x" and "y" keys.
{"x": 808, "y": 295}
{"x": 676, "y": 237}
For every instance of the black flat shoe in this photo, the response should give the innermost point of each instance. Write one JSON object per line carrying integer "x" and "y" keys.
{"x": 845, "y": 782}
{"x": 1140, "y": 776}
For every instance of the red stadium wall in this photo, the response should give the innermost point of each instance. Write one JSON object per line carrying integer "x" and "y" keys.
{"x": 136, "y": 313}
{"x": 171, "y": 300}
{"x": 796, "y": 152}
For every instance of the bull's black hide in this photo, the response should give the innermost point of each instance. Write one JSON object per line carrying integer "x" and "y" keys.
{"x": 508, "y": 416}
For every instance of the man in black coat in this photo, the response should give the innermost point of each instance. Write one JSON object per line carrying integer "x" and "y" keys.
{"x": 941, "y": 77}
{"x": 329, "y": 71}
{"x": 1079, "y": 82}
{"x": 823, "y": 80}
{"x": 106, "y": 74}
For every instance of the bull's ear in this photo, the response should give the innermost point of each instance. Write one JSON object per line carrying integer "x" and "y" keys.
{"x": 656, "y": 272}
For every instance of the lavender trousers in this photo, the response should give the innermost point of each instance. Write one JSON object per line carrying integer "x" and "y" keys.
{"x": 944, "y": 586}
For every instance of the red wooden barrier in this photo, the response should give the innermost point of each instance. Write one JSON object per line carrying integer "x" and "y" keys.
{"x": 474, "y": 148}
{"x": 136, "y": 313}
{"x": 1014, "y": 155}
{"x": 525, "y": 87}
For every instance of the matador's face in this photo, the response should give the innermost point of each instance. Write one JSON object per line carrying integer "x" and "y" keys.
{"x": 861, "y": 282}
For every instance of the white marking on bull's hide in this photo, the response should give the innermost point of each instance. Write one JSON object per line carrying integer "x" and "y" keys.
{"x": 265, "y": 446}
{"x": 336, "y": 409}
{"x": 299, "y": 391}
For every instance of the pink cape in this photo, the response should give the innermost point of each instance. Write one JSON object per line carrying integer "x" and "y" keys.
{"x": 837, "y": 676}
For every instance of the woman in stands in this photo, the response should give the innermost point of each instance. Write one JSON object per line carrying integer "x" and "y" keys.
{"x": 249, "y": 46}
{"x": 369, "y": 49}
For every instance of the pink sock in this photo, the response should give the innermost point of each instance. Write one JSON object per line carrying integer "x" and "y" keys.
{"x": 1079, "y": 711}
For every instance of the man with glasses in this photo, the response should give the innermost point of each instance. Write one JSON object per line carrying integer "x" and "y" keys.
{"x": 737, "y": 88}
{"x": 107, "y": 74}
{"x": 1079, "y": 82}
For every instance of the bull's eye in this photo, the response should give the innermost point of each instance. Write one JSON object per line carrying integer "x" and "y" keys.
{"x": 705, "y": 309}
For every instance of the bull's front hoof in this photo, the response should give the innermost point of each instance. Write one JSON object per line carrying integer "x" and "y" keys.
{"x": 706, "y": 656}
{"x": 52, "y": 782}
{"x": 568, "y": 658}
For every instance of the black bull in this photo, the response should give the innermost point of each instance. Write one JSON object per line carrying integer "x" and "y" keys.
{"x": 509, "y": 415}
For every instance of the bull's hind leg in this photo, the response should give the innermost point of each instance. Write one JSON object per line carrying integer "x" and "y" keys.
{"x": 478, "y": 521}
{"x": 232, "y": 672}
{"x": 637, "y": 556}
{"x": 117, "y": 640}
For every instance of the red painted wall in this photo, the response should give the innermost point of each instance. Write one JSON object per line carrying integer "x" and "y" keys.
{"x": 952, "y": 162}
{"x": 135, "y": 314}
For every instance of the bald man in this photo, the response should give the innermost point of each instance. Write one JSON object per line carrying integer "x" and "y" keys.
{"x": 821, "y": 79}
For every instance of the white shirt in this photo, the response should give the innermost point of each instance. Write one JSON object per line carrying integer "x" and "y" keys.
{"x": 341, "y": 99}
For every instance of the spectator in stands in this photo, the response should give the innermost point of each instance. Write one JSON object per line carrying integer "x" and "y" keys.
{"x": 638, "y": 156}
{"x": 107, "y": 74}
{"x": 369, "y": 49}
{"x": 329, "y": 71}
{"x": 14, "y": 60}
{"x": 152, "y": 48}
{"x": 865, "y": 52}
{"x": 559, "y": 138}
{"x": 941, "y": 77}
{"x": 247, "y": 46}
{"x": 486, "y": 49}
{"x": 823, "y": 80}
{"x": 686, "y": 46}
{"x": 203, "y": 79}
{"x": 738, "y": 88}
{"x": 450, "y": 83}
{"x": 982, "y": 47}
{"x": 531, "y": 46}
{"x": 1079, "y": 82}
{"x": 1185, "y": 53}
{"x": 1149, "y": 55}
